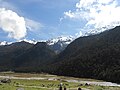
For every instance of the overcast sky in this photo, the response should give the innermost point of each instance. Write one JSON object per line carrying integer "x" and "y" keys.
{"x": 45, "y": 19}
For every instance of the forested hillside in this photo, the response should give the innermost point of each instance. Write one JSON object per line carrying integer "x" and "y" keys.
{"x": 95, "y": 56}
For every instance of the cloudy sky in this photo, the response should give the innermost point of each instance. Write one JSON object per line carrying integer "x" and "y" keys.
{"x": 45, "y": 19}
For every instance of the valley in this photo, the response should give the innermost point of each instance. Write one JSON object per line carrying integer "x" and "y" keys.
{"x": 56, "y": 44}
{"x": 28, "y": 81}
{"x": 95, "y": 56}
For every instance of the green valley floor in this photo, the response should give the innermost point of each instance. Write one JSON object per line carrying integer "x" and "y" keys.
{"x": 27, "y": 81}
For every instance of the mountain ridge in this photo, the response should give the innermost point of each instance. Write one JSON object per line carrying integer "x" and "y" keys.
{"x": 57, "y": 44}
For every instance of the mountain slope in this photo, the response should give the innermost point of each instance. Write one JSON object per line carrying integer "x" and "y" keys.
{"x": 95, "y": 56}
{"x": 8, "y": 52}
{"x": 35, "y": 58}
{"x": 23, "y": 56}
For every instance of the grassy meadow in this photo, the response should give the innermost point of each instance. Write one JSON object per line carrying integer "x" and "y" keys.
{"x": 25, "y": 81}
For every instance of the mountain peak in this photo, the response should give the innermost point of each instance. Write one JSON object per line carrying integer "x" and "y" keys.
{"x": 65, "y": 39}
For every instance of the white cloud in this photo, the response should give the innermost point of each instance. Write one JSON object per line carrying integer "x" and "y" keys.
{"x": 105, "y": 1}
{"x": 12, "y": 23}
{"x": 97, "y": 13}
{"x": 33, "y": 25}
{"x": 15, "y": 25}
{"x": 69, "y": 14}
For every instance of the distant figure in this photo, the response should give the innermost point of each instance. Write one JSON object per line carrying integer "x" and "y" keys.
{"x": 86, "y": 84}
{"x": 65, "y": 88}
{"x": 60, "y": 86}
{"x": 79, "y": 88}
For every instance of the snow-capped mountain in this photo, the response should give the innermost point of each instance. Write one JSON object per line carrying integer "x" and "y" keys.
{"x": 29, "y": 41}
{"x": 60, "y": 43}
{"x": 99, "y": 30}
{"x": 61, "y": 39}
{"x": 5, "y": 43}
{"x": 57, "y": 44}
